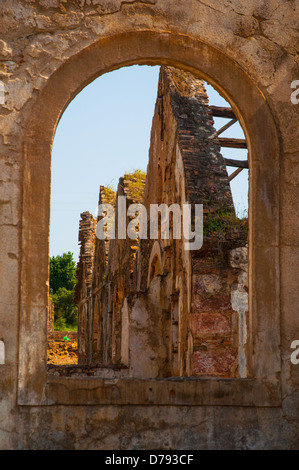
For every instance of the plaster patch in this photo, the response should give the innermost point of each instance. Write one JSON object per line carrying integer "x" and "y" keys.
{"x": 2, "y": 93}
{"x": 2, "y": 352}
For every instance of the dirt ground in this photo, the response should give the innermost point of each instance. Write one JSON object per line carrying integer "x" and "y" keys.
{"x": 62, "y": 352}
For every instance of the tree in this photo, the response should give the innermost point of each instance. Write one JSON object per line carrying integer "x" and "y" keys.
{"x": 64, "y": 306}
{"x": 62, "y": 289}
{"x": 62, "y": 272}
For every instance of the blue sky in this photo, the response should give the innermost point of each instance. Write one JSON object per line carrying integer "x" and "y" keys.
{"x": 103, "y": 133}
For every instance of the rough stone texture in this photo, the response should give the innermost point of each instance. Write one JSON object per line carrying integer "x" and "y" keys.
{"x": 50, "y": 49}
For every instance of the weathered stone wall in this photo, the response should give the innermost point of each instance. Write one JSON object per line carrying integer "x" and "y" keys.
{"x": 111, "y": 280}
{"x": 187, "y": 166}
{"x": 168, "y": 311}
{"x": 50, "y": 318}
{"x": 50, "y": 49}
{"x": 84, "y": 284}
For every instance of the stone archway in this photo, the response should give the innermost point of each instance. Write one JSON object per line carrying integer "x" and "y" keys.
{"x": 250, "y": 107}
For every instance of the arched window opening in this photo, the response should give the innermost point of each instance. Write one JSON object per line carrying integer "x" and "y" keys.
{"x": 179, "y": 313}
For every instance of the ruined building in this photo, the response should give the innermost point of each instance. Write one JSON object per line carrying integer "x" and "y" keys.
{"x": 150, "y": 308}
{"x": 218, "y": 378}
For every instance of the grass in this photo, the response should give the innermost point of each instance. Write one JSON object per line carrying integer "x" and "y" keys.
{"x": 61, "y": 325}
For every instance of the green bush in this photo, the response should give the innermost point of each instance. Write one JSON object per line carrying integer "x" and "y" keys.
{"x": 60, "y": 324}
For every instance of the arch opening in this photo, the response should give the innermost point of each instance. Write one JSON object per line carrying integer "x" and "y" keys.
{"x": 163, "y": 51}
{"x": 173, "y": 110}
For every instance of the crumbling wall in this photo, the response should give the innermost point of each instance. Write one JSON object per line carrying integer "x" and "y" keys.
{"x": 111, "y": 279}
{"x": 162, "y": 310}
{"x": 84, "y": 284}
{"x": 185, "y": 166}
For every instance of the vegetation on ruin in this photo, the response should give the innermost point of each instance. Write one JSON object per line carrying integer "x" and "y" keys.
{"x": 186, "y": 83}
{"x": 225, "y": 224}
{"x": 109, "y": 193}
{"x": 62, "y": 288}
{"x": 135, "y": 182}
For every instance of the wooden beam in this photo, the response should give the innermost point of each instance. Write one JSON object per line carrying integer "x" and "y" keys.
{"x": 236, "y": 163}
{"x": 224, "y": 128}
{"x": 219, "y": 111}
{"x": 233, "y": 143}
{"x": 235, "y": 173}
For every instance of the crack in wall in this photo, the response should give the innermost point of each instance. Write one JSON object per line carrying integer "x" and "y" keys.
{"x": 122, "y": 5}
